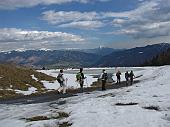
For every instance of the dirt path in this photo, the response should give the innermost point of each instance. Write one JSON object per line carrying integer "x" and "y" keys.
{"x": 52, "y": 96}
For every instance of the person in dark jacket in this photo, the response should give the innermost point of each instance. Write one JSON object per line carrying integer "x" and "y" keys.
{"x": 118, "y": 76}
{"x": 127, "y": 77}
{"x": 131, "y": 76}
{"x": 62, "y": 80}
{"x": 103, "y": 77}
{"x": 80, "y": 78}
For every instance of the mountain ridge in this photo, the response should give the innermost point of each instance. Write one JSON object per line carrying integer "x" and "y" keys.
{"x": 84, "y": 58}
{"x": 132, "y": 57}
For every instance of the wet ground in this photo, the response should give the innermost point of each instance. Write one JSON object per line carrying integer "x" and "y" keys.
{"x": 53, "y": 95}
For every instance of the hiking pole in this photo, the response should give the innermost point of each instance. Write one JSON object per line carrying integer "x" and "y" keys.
{"x": 87, "y": 82}
{"x": 77, "y": 84}
{"x": 66, "y": 81}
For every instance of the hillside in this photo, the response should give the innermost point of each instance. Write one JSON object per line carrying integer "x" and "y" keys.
{"x": 132, "y": 57}
{"x": 84, "y": 58}
{"x": 159, "y": 60}
{"x": 101, "y": 51}
{"x": 49, "y": 58}
{"x": 15, "y": 80}
{"x": 144, "y": 104}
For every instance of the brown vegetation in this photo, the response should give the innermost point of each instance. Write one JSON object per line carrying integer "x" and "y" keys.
{"x": 125, "y": 104}
{"x": 19, "y": 78}
{"x": 156, "y": 108}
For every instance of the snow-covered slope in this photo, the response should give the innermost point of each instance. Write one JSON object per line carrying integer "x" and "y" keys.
{"x": 103, "y": 109}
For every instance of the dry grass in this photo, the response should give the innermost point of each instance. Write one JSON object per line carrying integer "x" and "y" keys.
{"x": 5, "y": 94}
{"x": 15, "y": 77}
{"x": 61, "y": 115}
{"x": 125, "y": 104}
{"x": 37, "y": 118}
{"x": 65, "y": 124}
{"x": 156, "y": 108}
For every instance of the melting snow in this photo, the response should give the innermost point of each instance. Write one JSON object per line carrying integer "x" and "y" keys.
{"x": 30, "y": 91}
{"x": 98, "y": 109}
{"x": 33, "y": 77}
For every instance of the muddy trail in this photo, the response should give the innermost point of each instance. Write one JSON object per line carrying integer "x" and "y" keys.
{"x": 53, "y": 95}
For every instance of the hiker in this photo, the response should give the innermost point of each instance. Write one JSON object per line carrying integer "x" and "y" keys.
{"x": 131, "y": 76}
{"x": 118, "y": 76}
{"x": 127, "y": 77}
{"x": 62, "y": 81}
{"x": 80, "y": 78}
{"x": 103, "y": 77}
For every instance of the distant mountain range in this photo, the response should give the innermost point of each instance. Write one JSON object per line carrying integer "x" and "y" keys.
{"x": 54, "y": 58}
{"x": 101, "y": 51}
{"x": 159, "y": 60}
{"x": 99, "y": 57}
{"x": 132, "y": 57}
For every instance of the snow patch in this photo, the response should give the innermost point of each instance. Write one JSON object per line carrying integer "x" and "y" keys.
{"x": 30, "y": 91}
{"x": 92, "y": 110}
{"x": 33, "y": 77}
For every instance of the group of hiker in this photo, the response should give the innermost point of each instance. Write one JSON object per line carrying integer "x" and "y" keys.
{"x": 80, "y": 79}
{"x": 63, "y": 81}
{"x": 128, "y": 76}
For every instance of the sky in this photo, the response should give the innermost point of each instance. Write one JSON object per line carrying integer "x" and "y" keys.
{"x": 74, "y": 24}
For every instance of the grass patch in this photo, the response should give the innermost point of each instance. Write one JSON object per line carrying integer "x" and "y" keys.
{"x": 61, "y": 115}
{"x": 125, "y": 104}
{"x": 16, "y": 77}
{"x": 106, "y": 95}
{"x": 37, "y": 118}
{"x": 97, "y": 84}
{"x": 5, "y": 94}
{"x": 156, "y": 108}
{"x": 65, "y": 124}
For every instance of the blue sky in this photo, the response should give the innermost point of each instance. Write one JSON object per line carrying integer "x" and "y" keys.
{"x": 60, "y": 24}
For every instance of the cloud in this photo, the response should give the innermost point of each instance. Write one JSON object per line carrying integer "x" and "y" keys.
{"x": 13, "y": 4}
{"x": 63, "y": 17}
{"x": 16, "y": 38}
{"x": 84, "y": 24}
{"x": 73, "y": 19}
{"x": 151, "y": 19}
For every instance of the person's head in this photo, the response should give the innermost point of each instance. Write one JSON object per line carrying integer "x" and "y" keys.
{"x": 104, "y": 70}
{"x": 81, "y": 69}
{"x": 131, "y": 71}
{"x": 126, "y": 71}
{"x": 61, "y": 71}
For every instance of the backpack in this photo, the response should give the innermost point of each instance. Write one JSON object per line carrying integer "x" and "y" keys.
{"x": 78, "y": 76}
{"x": 59, "y": 78}
{"x": 104, "y": 76}
{"x": 127, "y": 75}
{"x": 118, "y": 74}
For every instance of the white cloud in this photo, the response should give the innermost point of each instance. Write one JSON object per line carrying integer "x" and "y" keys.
{"x": 74, "y": 19}
{"x": 84, "y": 24}
{"x": 151, "y": 19}
{"x": 18, "y": 38}
{"x": 64, "y": 17}
{"x": 13, "y": 34}
{"x": 12, "y": 4}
